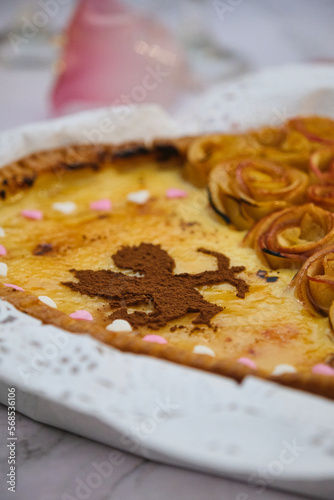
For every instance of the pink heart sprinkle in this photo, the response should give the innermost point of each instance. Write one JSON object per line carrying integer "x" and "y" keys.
{"x": 82, "y": 314}
{"x": 323, "y": 369}
{"x": 100, "y": 205}
{"x": 32, "y": 214}
{"x": 3, "y": 251}
{"x": 176, "y": 193}
{"x": 14, "y": 286}
{"x": 155, "y": 338}
{"x": 247, "y": 362}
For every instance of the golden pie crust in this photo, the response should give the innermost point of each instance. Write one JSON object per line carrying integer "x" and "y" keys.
{"x": 18, "y": 178}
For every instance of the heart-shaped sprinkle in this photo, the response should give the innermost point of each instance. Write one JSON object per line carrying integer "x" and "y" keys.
{"x": 139, "y": 197}
{"x": 155, "y": 338}
{"x": 323, "y": 369}
{"x": 82, "y": 314}
{"x": 14, "y": 286}
{"x": 3, "y": 269}
{"x": 46, "y": 300}
{"x": 65, "y": 207}
{"x": 247, "y": 362}
{"x": 176, "y": 193}
{"x": 119, "y": 325}
{"x": 100, "y": 205}
{"x": 203, "y": 349}
{"x": 281, "y": 369}
{"x": 32, "y": 214}
{"x": 3, "y": 251}
{"x": 2, "y": 232}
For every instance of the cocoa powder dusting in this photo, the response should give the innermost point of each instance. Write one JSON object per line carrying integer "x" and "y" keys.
{"x": 172, "y": 295}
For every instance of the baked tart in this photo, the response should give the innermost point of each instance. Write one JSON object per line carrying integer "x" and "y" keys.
{"x": 216, "y": 252}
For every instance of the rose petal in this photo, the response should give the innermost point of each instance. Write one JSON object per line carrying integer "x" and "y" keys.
{"x": 155, "y": 338}
{"x": 32, "y": 214}
{"x": 82, "y": 314}
{"x": 176, "y": 193}
{"x": 323, "y": 369}
{"x": 14, "y": 286}
{"x": 104, "y": 204}
{"x": 247, "y": 362}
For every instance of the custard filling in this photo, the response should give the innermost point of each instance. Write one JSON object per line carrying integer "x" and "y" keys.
{"x": 84, "y": 219}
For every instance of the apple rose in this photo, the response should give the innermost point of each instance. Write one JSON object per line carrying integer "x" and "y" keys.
{"x": 331, "y": 315}
{"x": 321, "y": 195}
{"x": 208, "y": 151}
{"x": 322, "y": 165}
{"x": 244, "y": 192}
{"x": 314, "y": 282}
{"x": 288, "y": 238}
{"x": 314, "y": 128}
{"x": 284, "y": 146}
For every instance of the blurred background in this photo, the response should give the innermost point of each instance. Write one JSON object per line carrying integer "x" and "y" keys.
{"x": 59, "y": 56}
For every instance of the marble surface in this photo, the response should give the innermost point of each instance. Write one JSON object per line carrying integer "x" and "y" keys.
{"x": 53, "y": 464}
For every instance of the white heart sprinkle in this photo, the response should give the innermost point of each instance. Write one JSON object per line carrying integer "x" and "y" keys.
{"x": 3, "y": 269}
{"x": 119, "y": 325}
{"x": 203, "y": 349}
{"x": 65, "y": 207}
{"x": 140, "y": 197}
{"x": 281, "y": 369}
{"x": 2, "y": 232}
{"x": 46, "y": 300}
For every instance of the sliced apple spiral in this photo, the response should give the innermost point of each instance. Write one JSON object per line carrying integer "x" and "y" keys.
{"x": 285, "y": 147}
{"x": 322, "y": 195}
{"x": 314, "y": 282}
{"x": 288, "y": 238}
{"x": 246, "y": 191}
{"x": 322, "y": 165}
{"x": 315, "y": 128}
{"x": 208, "y": 151}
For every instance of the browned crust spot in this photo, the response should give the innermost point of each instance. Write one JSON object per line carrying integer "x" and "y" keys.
{"x": 21, "y": 174}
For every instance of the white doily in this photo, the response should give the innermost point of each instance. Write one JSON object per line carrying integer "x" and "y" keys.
{"x": 257, "y": 431}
